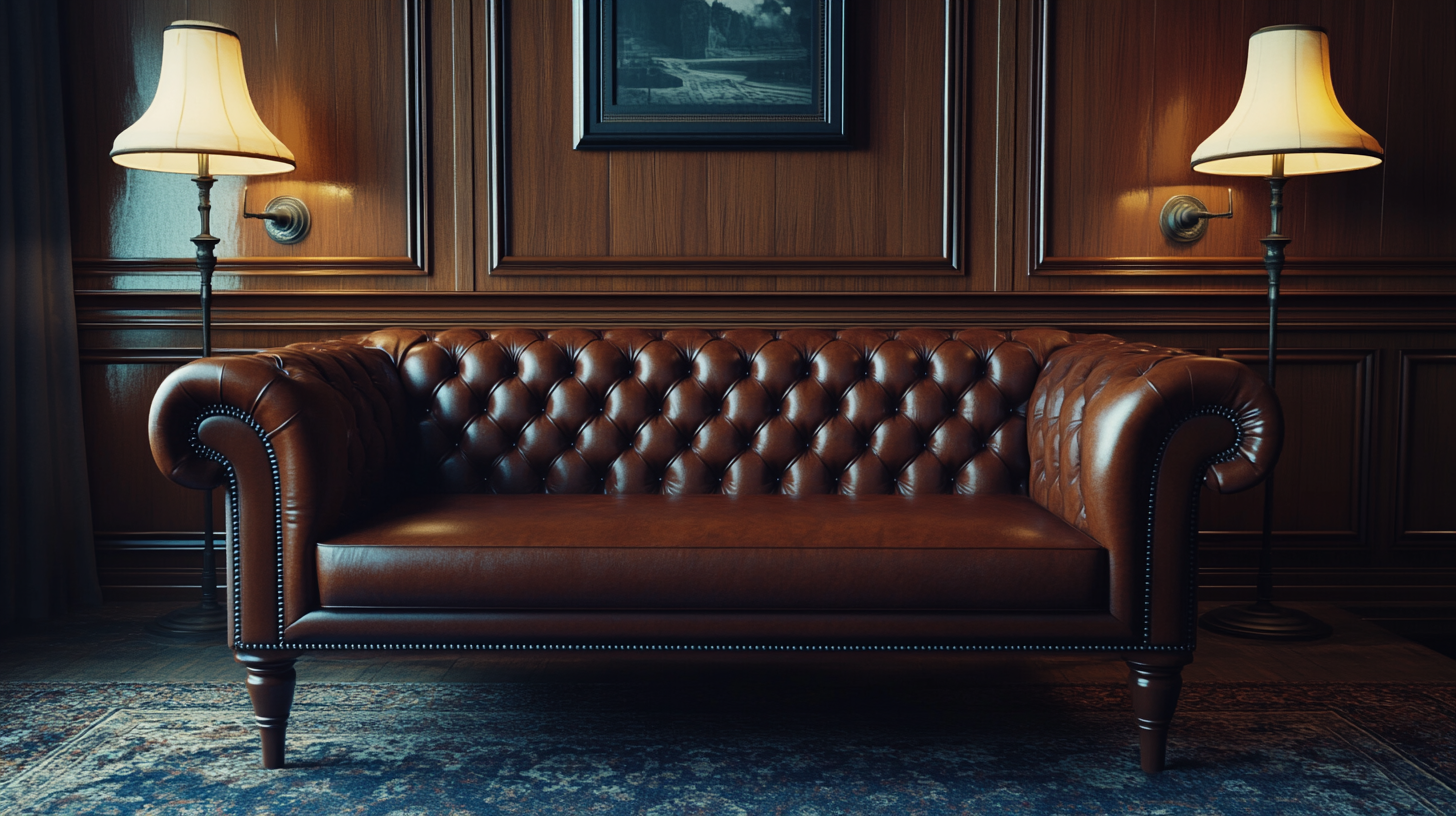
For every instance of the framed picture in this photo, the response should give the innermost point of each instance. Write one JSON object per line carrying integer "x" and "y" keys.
{"x": 726, "y": 74}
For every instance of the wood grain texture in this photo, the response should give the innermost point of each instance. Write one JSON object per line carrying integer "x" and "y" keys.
{"x": 1426, "y": 515}
{"x": 559, "y": 198}
{"x": 659, "y": 203}
{"x": 1419, "y": 162}
{"x": 1099, "y": 95}
{"x": 1134, "y": 86}
{"x": 856, "y": 203}
{"x": 329, "y": 78}
{"x": 924, "y": 227}
{"x": 737, "y": 222}
{"x": 128, "y": 493}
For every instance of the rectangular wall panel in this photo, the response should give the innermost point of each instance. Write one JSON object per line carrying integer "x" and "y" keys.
{"x": 1124, "y": 91}
{"x": 1426, "y": 515}
{"x": 339, "y": 82}
{"x": 1320, "y": 483}
{"x": 888, "y": 205}
{"x": 128, "y": 493}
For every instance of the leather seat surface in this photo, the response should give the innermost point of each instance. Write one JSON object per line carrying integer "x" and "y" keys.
{"x": 704, "y": 552}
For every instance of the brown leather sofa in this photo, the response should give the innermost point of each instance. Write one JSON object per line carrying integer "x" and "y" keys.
{"x": 801, "y": 489}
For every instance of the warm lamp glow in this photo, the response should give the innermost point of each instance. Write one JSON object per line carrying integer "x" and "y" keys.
{"x": 202, "y": 106}
{"x": 1287, "y": 107}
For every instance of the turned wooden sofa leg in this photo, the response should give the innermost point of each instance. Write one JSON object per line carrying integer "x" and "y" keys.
{"x": 1155, "y": 679}
{"x": 270, "y": 686}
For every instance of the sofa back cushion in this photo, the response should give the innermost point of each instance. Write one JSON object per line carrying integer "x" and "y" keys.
{"x": 738, "y": 412}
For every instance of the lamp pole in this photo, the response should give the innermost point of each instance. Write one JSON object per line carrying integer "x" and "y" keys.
{"x": 1263, "y": 619}
{"x": 207, "y": 618}
{"x": 204, "y": 61}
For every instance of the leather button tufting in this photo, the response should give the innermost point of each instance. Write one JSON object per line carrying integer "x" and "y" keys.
{"x": 794, "y": 396}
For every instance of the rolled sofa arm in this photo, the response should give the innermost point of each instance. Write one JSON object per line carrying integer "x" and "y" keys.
{"x": 305, "y": 436}
{"x": 1121, "y": 435}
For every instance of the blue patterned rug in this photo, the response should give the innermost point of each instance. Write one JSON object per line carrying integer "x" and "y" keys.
{"x": 407, "y": 749}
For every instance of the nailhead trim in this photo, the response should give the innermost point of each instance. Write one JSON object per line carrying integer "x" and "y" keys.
{"x": 233, "y": 502}
{"x": 479, "y": 647}
{"x": 1226, "y": 455}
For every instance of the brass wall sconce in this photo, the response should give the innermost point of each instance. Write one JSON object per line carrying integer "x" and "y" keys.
{"x": 1184, "y": 218}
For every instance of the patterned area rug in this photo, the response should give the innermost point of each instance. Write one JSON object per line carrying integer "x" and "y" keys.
{"x": 730, "y": 749}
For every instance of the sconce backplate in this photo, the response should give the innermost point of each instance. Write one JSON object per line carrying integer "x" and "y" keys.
{"x": 293, "y": 222}
{"x": 1179, "y": 222}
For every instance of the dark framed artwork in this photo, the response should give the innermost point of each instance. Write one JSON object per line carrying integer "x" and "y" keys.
{"x": 728, "y": 74}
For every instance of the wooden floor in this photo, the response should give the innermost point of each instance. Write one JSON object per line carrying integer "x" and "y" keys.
{"x": 110, "y": 644}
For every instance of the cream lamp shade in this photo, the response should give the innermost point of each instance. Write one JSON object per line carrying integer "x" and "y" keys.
{"x": 1288, "y": 108}
{"x": 202, "y": 107}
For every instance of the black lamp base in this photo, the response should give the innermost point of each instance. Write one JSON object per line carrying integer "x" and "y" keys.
{"x": 191, "y": 622}
{"x": 1265, "y": 621}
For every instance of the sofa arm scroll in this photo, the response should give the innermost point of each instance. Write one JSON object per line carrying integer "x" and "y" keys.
{"x": 310, "y": 434}
{"x": 1108, "y": 423}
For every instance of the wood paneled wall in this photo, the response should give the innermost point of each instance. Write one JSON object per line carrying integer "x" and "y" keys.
{"x": 1010, "y": 160}
{"x": 1128, "y": 88}
{"x": 722, "y": 212}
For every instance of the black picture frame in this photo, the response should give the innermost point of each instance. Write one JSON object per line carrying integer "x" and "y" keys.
{"x": 695, "y": 107}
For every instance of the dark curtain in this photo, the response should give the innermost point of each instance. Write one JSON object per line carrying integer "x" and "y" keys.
{"x": 47, "y": 563}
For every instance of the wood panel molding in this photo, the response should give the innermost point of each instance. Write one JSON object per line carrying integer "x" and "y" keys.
{"x": 150, "y": 566}
{"x": 1101, "y": 311}
{"x": 414, "y": 28}
{"x": 720, "y": 265}
{"x": 1039, "y": 260}
{"x": 502, "y": 258}
{"x": 1356, "y": 439}
{"x": 1410, "y": 436}
{"x": 154, "y": 354}
{"x": 1338, "y": 585}
{"x": 1362, "y": 267}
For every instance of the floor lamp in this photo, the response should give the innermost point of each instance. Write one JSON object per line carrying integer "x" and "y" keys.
{"x": 202, "y": 121}
{"x": 1287, "y": 123}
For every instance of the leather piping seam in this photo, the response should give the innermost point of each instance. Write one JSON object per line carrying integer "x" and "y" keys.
{"x": 235, "y": 586}
{"x": 1191, "y": 590}
{"x": 476, "y": 647}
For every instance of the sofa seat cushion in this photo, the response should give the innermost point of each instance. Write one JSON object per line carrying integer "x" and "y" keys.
{"x": 619, "y": 552}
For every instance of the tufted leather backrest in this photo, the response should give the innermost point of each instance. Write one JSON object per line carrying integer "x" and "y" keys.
{"x": 737, "y": 412}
